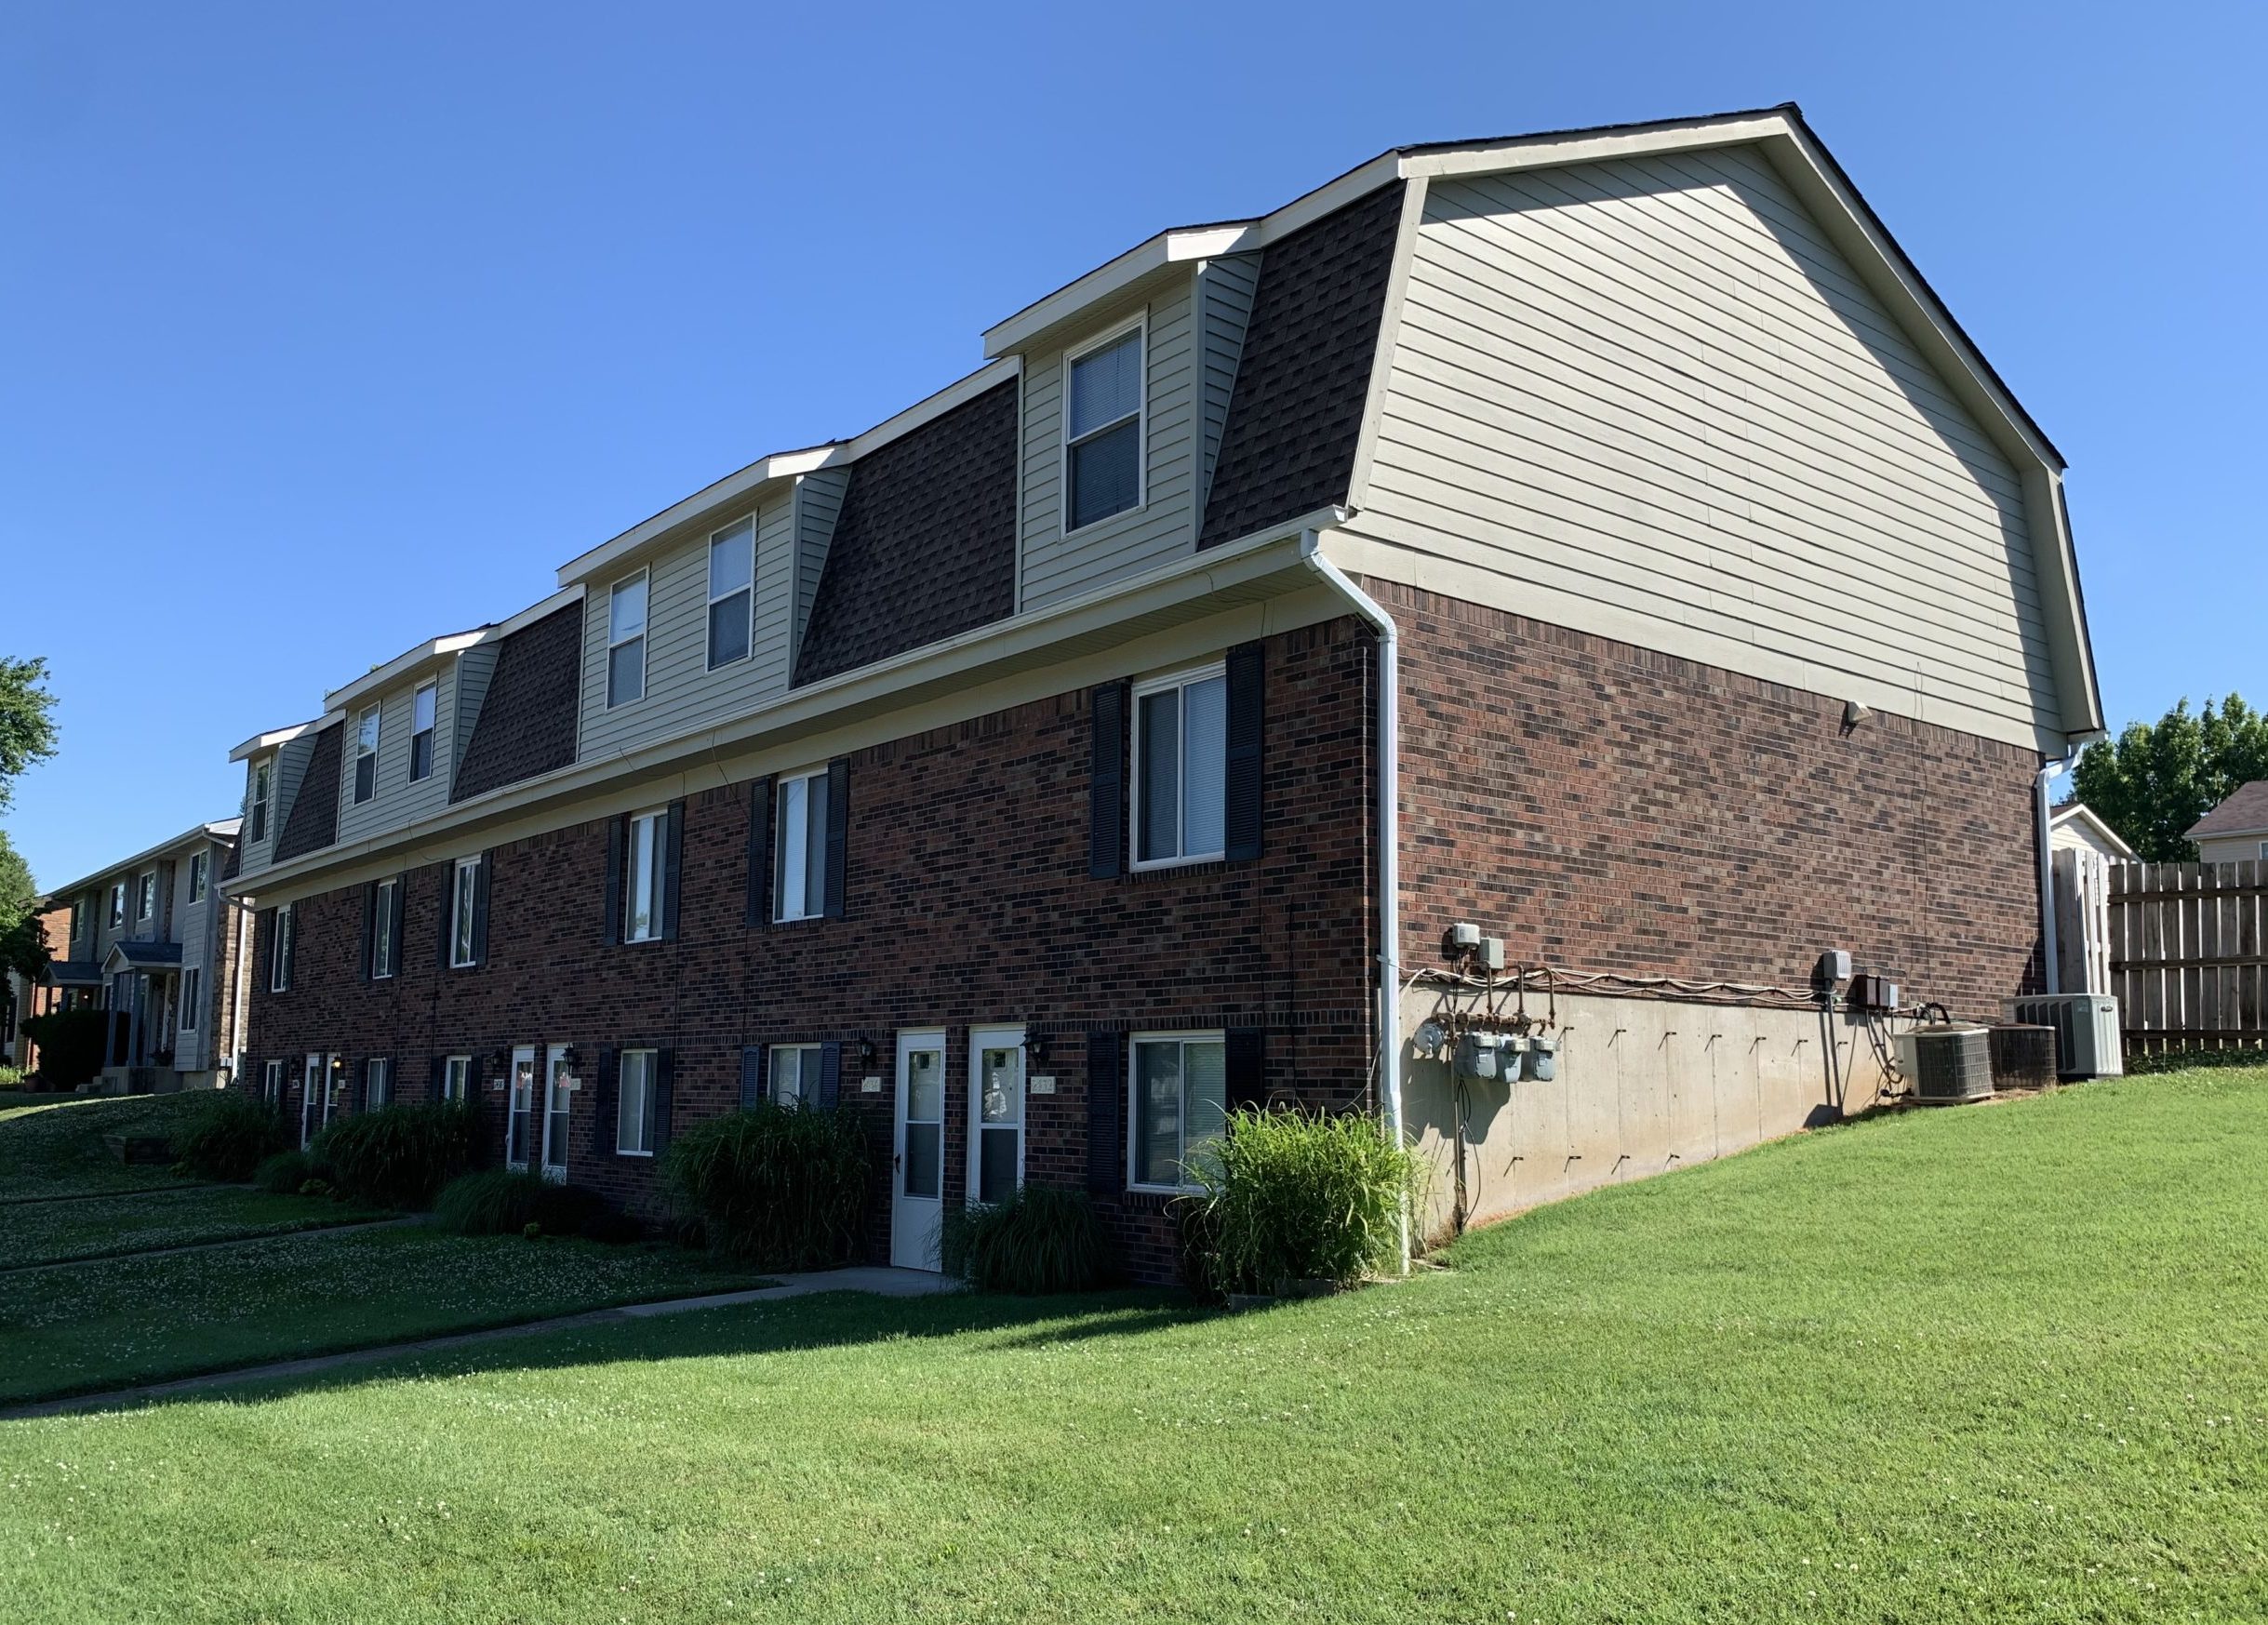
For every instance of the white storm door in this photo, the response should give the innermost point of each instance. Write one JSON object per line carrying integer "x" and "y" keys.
{"x": 519, "y": 1116}
{"x": 311, "y": 1080}
{"x": 917, "y": 1185}
{"x": 558, "y": 1097}
{"x": 996, "y": 1102}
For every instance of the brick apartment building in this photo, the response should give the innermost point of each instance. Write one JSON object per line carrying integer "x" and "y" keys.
{"x": 1603, "y": 538}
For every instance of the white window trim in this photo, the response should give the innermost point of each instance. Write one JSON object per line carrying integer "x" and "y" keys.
{"x": 655, "y": 856}
{"x": 145, "y": 895}
{"x": 1135, "y": 860}
{"x": 382, "y": 929}
{"x": 199, "y": 864}
{"x": 453, "y": 1067}
{"x": 1134, "y": 1043}
{"x": 980, "y": 1039}
{"x": 279, "y": 950}
{"x": 458, "y": 899}
{"x": 378, "y": 735}
{"x": 1138, "y": 323}
{"x": 653, "y": 1083}
{"x": 645, "y": 642}
{"x": 265, "y": 765}
{"x": 715, "y": 598}
{"x": 779, "y": 845}
{"x": 377, "y": 1066}
{"x": 272, "y": 1084}
{"x": 431, "y": 686}
{"x": 191, "y": 996}
{"x": 771, "y": 1071}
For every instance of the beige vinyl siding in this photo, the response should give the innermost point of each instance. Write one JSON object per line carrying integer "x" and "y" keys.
{"x": 194, "y": 930}
{"x": 2233, "y": 850}
{"x": 398, "y": 801}
{"x": 1225, "y": 309}
{"x": 1648, "y": 400}
{"x": 818, "y": 503}
{"x": 681, "y": 692}
{"x": 1055, "y": 566}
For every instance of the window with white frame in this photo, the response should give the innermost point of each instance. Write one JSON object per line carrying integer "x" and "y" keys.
{"x": 799, "y": 861}
{"x": 636, "y": 1097}
{"x": 82, "y": 920}
{"x": 421, "y": 730}
{"x": 1180, "y": 1104}
{"x": 384, "y": 948}
{"x": 626, "y": 641}
{"x": 464, "y": 902}
{"x": 456, "y": 1078}
{"x": 279, "y": 953}
{"x": 366, "y": 755}
{"x": 793, "y": 1073}
{"x": 197, "y": 863}
{"x": 192, "y": 996}
{"x": 376, "y": 1083}
{"x": 645, "y": 876}
{"x": 145, "y": 895}
{"x": 732, "y": 592}
{"x": 1102, "y": 431}
{"x": 256, "y": 811}
{"x": 2264, "y": 851}
{"x": 1181, "y": 769}
{"x": 118, "y": 904}
{"x": 272, "y": 1081}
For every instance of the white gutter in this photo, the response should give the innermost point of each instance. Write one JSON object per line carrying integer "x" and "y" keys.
{"x": 1389, "y": 840}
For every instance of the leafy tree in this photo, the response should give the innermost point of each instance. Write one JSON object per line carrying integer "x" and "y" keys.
{"x": 23, "y": 947}
{"x": 27, "y": 722}
{"x": 2158, "y": 779}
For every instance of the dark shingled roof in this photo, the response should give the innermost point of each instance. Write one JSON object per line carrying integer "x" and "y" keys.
{"x": 313, "y": 822}
{"x": 71, "y": 973}
{"x": 1296, "y": 412}
{"x": 527, "y": 723}
{"x": 2243, "y": 813}
{"x": 924, "y": 546}
{"x": 147, "y": 955}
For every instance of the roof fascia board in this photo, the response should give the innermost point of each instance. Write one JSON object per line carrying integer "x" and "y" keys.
{"x": 1551, "y": 151}
{"x": 401, "y": 666}
{"x": 261, "y": 744}
{"x": 869, "y": 691}
{"x": 533, "y": 613}
{"x": 196, "y": 833}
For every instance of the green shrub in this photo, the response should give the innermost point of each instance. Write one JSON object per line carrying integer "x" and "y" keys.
{"x": 228, "y": 1136}
{"x": 1045, "y": 1238}
{"x": 72, "y": 1044}
{"x": 511, "y": 1200}
{"x": 400, "y": 1156}
{"x": 778, "y": 1187}
{"x": 1289, "y": 1197}
{"x": 11, "y": 1077}
{"x": 289, "y": 1172}
{"x": 2181, "y": 1060}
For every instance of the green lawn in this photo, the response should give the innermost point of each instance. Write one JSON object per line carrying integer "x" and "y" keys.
{"x": 41, "y": 1233}
{"x": 58, "y": 1150}
{"x": 113, "y": 1322}
{"x": 1997, "y": 1363}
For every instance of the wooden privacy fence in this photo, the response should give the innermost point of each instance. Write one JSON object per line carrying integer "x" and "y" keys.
{"x": 2188, "y": 957}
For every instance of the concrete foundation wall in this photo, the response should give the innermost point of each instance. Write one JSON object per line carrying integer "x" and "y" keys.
{"x": 1643, "y": 1086}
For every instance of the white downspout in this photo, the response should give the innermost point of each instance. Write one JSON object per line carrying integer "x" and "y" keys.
{"x": 1389, "y": 843}
{"x": 2051, "y": 971}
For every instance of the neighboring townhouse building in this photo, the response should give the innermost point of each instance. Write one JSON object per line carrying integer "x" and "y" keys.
{"x": 2237, "y": 830}
{"x": 1605, "y": 540}
{"x": 22, "y": 997}
{"x": 156, "y": 941}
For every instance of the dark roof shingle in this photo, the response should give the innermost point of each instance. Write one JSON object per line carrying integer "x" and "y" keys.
{"x": 527, "y": 721}
{"x": 2244, "y": 812}
{"x": 312, "y": 822}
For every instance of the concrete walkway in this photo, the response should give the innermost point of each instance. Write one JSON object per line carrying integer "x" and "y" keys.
{"x": 883, "y": 1283}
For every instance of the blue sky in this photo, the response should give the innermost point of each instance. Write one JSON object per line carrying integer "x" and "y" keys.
{"x": 324, "y": 330}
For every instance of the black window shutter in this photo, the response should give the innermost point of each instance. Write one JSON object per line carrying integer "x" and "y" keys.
{"x": 830, "y": 1076}
{"x": 264, "y": 951}
{"x": 436, "y": 1077}
{"x": 447, "y": 899}
{"x": 838, "y": 835}
{"x": 369, "y": 917}
{"x": 474, "y": 1079}
{"x": 752, "y": 1075}
{"x": 1105, "y": 1137}
{"x": 604, "y": 1141}
{"x": 480, "y": 910}
{"x": 666, "y": 1089}
{"x": 1243, "y": 1063}
{"x": 393, "y": 935}
{"x": 672, "y": 865}
{"x": 760, "y": 852}
{"x": 1246, "y": 695}
{"x": 610, "y": 930}
{"x": 1106, "y": 794}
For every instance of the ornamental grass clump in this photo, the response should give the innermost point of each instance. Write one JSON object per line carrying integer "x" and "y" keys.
{"x": 519, "y": 1202}
{"x": 1042, "y": 1239}
{"x": 228, "y": 1136}
{"x": 778, "y": 1187}
{"x": 289, "y": 1173}
{"x": 400, "y": 1156}
{"x": 1289, "y": 1198}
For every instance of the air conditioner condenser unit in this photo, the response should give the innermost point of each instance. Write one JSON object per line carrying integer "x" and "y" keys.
{"x": 2087, "y": 1037}
{"x": 1947, "y": 1065}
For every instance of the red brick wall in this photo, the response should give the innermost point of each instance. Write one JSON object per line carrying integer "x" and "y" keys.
{"x": 1606, "y": 807}
{"x": 968, "y": 903}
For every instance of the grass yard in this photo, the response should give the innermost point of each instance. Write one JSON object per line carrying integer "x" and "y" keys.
{"x": 44, "y": 1232}
{"x": 58, "y": 1150}
{"x": 1997, "y": 1363}
{"x": 115, "y": 1322}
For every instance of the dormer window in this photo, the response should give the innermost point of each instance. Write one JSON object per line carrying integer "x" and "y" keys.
{"x": 422, "y": 731}
{"x": 732, "y": 580}
{"x": 1102, "y": 429}
{"x": 263, "y": 781}
{"x": 626, "y": 641}
{"x": 366, "y": 755}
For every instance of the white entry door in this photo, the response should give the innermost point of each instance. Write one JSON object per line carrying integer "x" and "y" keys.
{"x": 519, "y": 1116}
{"x": 313, "y": 1083}
{"x": 996, "y": 1113}
{"x": 558, "y": 1098}
{"x": 917, "y": 1201}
